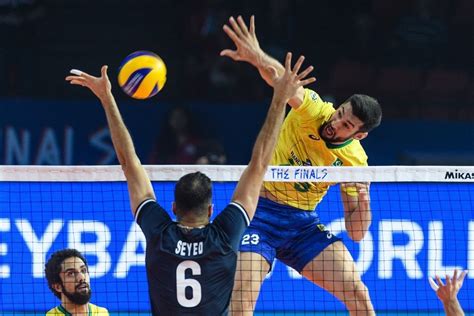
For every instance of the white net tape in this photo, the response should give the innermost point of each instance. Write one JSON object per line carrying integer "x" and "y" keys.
{"x": 232, "y": 173}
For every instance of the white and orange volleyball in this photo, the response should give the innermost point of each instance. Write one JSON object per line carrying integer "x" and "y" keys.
{"x": 142, "y": 74}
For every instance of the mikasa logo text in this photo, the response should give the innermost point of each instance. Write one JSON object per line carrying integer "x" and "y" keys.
{"x": 459, "y": 175}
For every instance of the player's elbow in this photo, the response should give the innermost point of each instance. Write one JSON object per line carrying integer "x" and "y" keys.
{"x": 357, "y": 229}
{"x": 129, "y": 164}
{"x": 357, "y": 235}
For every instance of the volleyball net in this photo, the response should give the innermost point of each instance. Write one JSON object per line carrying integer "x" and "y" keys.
{"x": 422, "y": 225}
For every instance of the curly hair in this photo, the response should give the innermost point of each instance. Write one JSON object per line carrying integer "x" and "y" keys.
{"x": 53, "y": 267}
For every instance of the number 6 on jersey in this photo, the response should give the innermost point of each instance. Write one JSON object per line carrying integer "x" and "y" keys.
{"x": 182, "y": 283}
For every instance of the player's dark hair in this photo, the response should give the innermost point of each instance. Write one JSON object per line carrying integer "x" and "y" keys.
{"x": 53, "y": 267}
{"x": 193, "y": 193}
{"x": 366, "y": 109}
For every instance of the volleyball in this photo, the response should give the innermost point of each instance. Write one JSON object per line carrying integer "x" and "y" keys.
{"x": 142, "y": 74}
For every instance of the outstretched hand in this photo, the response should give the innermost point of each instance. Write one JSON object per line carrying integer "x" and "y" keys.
{"x": 245, "y": 40}
{"x": 286, "y": 85}
{"x": 100, "y": 86}
{"x": 449, "y": 291}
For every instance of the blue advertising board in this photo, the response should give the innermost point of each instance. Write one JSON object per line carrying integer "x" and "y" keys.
{"x": 418, "y": 230}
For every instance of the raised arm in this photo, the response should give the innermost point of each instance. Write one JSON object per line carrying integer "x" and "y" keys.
{"x": 357, "y": 213}
{"x": 248, "y": 49}
{"x": 139, "y": 185}
{"x": 285, "y": 85}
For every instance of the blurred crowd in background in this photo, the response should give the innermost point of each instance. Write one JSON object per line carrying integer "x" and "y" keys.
{"x": 415, "y": 56}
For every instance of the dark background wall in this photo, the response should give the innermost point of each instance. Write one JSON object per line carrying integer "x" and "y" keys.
{"x": 415, "y": 56}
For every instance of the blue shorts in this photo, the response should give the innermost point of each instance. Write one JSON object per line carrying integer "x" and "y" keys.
{"x": 289, "y": 234}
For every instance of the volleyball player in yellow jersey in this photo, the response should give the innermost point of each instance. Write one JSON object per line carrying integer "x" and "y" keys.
{"x": 285, "y": 225}
{"x": 68, "y": 278}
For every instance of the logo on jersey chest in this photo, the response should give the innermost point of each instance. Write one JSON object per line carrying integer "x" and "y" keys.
{"x": 337, "y": 163}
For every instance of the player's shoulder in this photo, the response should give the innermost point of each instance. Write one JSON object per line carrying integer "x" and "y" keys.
{"x": 149, "y": 206}
{"x": 145, "y": 204}
{"x": 232, "y": 213}
{"x": 352, "y": 154}
{"x": 97, "y": 310}
{"x": 239, "y": 209}
{"x": 55, "y": 311}
{"x": 313, "y": 105}
{"x": 312, "y": 95}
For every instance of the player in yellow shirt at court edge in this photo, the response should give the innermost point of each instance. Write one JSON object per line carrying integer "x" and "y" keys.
{"x": 68, "y": 278}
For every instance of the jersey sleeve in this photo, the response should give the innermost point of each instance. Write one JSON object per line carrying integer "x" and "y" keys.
{"x": 151, "y": 217}
{"x": 313, "y": 107}
{"x": 233, "y": 220}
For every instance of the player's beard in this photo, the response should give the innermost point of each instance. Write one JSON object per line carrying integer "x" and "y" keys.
{"x": 78, "y": 298}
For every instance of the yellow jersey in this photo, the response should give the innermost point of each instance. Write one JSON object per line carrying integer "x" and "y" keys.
{"x": 94, "y": 310}
{"x": 299, "y": 144}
